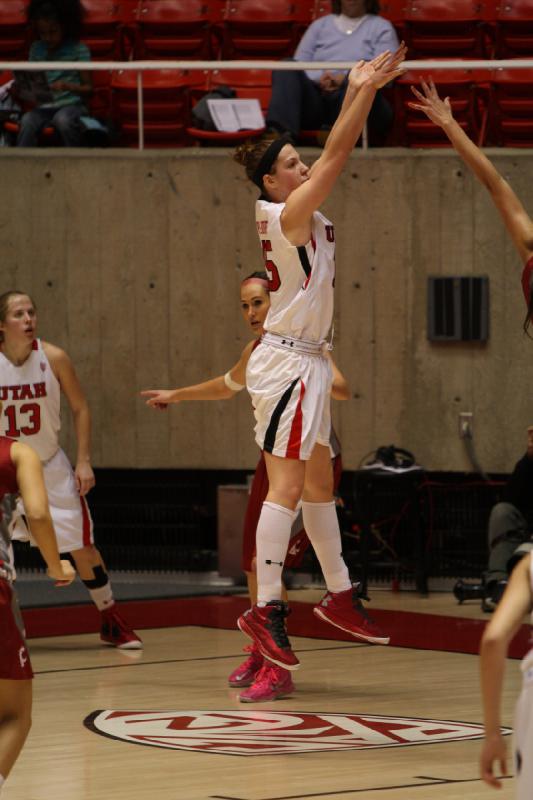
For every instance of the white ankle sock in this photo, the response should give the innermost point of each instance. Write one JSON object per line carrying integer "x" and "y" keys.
{"x": 322, "y": 527}
{"x": 102, "y": 597}
{"x": 272, "y": 541}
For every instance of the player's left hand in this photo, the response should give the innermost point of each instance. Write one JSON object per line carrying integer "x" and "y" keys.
{"x": 84, "y": 478}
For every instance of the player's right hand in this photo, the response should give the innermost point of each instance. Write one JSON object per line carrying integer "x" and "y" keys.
{"x": 493, "y": 752}
{"x": 64, "y": 575}
{"x": 158, "y": 398}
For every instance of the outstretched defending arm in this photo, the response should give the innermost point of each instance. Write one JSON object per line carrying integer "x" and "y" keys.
{"x": 214, "y": 389}
{"x": 515, "y": 217}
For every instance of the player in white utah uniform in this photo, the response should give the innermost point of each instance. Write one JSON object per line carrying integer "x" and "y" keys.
{"x": 32, "y": 376}
{"x": 288, "y": 375}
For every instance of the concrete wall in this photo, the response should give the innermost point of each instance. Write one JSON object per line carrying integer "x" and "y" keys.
{"x": 135, "y": 262}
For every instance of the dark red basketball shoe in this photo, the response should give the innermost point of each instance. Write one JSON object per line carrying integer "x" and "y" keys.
{"x": 265, "y": 626}
{"x": 345, "y": 611}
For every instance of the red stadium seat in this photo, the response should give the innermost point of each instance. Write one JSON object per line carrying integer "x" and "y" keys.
{"x": 166, "y": 102}
{"x": 514, "y": 29}
{"x": 250, "y": 83}
{"x": 511, "y": 108}
{"x": 321, "y": 8}
{"x": 175, "y": 28}
{"x": 102, "y": 29}
{"x": 444, "y": 28}
{"x": 413, "y": 129}
{"x": 14, "y": 29}
{"x": 263, "y": 28}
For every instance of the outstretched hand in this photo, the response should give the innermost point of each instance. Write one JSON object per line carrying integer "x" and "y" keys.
{"x": 158, "y": 398}
{"x": 380, "y": 71}
{"x": 439, "y": 111}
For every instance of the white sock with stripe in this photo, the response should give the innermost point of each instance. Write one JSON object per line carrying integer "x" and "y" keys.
{"x": 322, "y": 527}
{"x": 272, "y": 540}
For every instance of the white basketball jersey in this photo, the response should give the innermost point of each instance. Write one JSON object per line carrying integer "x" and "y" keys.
{"x": 30, "y": 395}
{"x": 301, "y": 279}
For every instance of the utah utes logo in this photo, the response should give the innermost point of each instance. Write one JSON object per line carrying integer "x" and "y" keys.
{"x": 249, "y": 733}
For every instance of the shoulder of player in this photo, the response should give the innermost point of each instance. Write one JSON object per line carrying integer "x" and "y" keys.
{"x": 57, "y": 357}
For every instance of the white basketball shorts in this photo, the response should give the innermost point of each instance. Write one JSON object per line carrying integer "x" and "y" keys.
{"x": 70, "y": 513}
{"x": 523, "y": 734}
{"x": 290, "y": 393}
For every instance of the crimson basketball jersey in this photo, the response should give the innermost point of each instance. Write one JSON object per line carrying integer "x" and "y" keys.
{"x": 527, "y": 280}
{"x": 30, "y": 394}
{"x": 301, "y": 279}
{"x": 8, "y": 472}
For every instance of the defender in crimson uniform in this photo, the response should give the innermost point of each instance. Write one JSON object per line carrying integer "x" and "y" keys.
{"x": 20, "y": 471}
{"x": 32, "y": 376}
{"x": 289, "y": 376}
{"x": 516, "y": 219}
{"x": 262, "y": 680}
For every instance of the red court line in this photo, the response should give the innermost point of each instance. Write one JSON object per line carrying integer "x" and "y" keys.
{"x": 406, "y": 628}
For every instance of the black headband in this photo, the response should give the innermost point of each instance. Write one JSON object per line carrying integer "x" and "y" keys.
{"x": 268, "y": 158}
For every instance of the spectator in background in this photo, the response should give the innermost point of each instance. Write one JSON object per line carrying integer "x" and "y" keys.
{"x": 312, "y": 100}
{"x": 510, "y": 527}
{"x": 57, "y": 24}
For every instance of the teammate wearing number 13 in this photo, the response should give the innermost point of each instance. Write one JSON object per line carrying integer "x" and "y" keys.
{"x": 33, "y": 374}
{"x": 289, "y": 377}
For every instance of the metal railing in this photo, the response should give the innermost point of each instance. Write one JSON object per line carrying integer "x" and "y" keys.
{"x": 422, "y": 65}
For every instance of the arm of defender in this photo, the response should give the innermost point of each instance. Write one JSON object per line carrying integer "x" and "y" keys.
{"x": 33, "y": 492}
{"x": 515, "y": 217}
{"x": 213, "y": 389}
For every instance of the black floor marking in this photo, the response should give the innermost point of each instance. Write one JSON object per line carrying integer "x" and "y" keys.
{"x": 187, "y": 660}
{"x": 427, "y": 782}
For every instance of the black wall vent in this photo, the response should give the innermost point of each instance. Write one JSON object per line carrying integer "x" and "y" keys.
{"x": 458, "y": 309}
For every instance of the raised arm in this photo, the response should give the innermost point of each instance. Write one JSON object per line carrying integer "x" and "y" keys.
{"x": 515, "y": 217}
{"x": 213, "y": 389}
{"x": 515, "y": 603}
{"x": 307, "y": 198}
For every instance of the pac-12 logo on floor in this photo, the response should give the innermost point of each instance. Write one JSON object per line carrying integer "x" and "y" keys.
{"x": 250, "y": 733}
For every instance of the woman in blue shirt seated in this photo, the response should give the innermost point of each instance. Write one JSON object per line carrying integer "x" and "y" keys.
{"x": 57, "y": 24}
{"x": 312, "y": 100}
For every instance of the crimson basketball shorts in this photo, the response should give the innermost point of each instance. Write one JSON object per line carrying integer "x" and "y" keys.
{"x": 523, "y": 733}
{"x": 70, "y": 512}
{"x": 15, "y": 662}
{"x": 299, "y": 541}
{"x": 290, "y": 393}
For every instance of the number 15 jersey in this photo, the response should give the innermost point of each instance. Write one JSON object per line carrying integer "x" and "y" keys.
{"x": 30, "y": 395}
{"x": 301, "y": 279}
